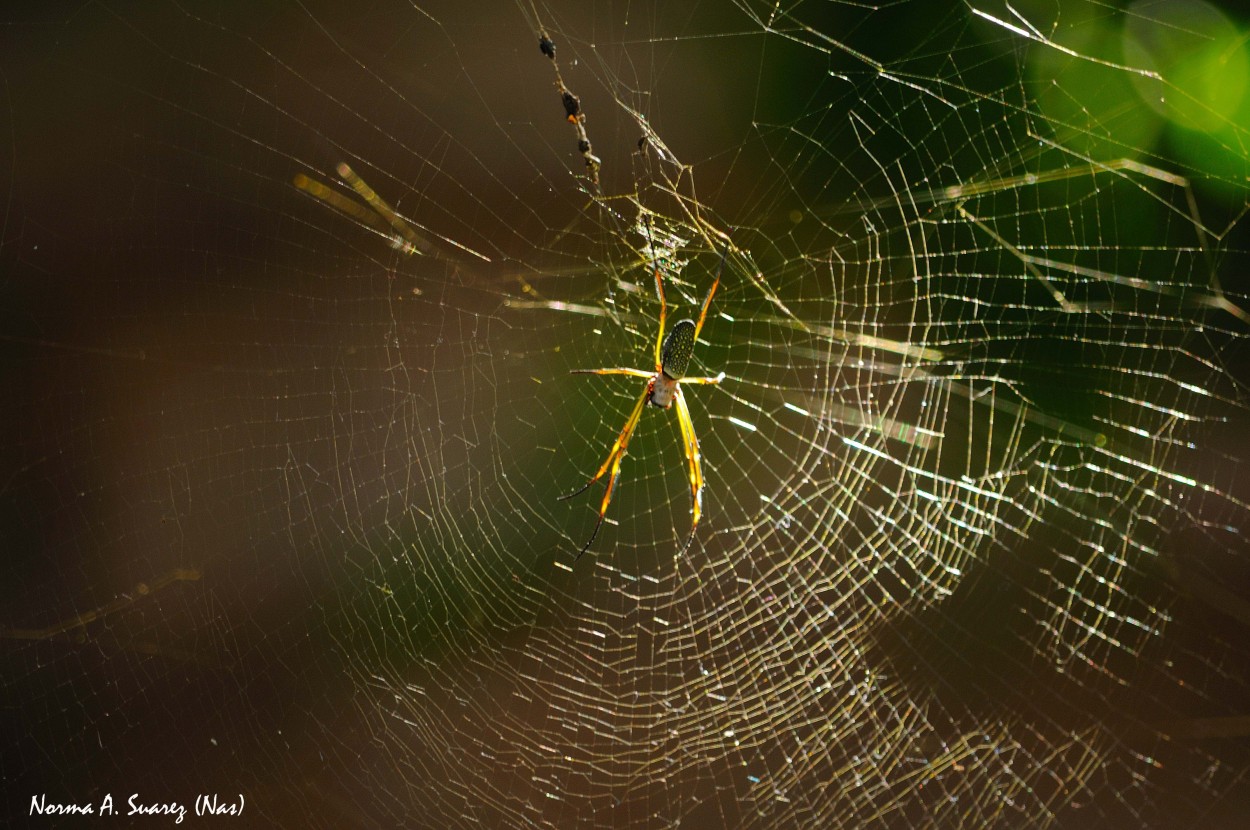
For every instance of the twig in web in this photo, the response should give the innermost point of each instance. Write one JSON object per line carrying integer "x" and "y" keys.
{"x": 382, "y": 219}
{"x": 572, "y": 109}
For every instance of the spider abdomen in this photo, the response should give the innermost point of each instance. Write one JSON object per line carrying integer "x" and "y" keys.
{"x": 677, "y": 349}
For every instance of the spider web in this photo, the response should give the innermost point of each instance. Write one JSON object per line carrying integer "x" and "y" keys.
{"x": 291, "y": 298}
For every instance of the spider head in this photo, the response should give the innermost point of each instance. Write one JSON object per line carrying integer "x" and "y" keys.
{"x": 661, "y": 389}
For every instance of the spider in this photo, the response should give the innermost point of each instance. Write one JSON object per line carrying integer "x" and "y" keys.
{"x": 672, "y": 358}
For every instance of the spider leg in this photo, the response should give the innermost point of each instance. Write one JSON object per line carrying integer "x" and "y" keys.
{"x": 614, "y": 462}
{"x": 691, "y": 444}
{"x": 638, "y": 373}
{"x": 659, "y": 289}
{"x": 716, "y": 379}
{"x": 698, "y": 327}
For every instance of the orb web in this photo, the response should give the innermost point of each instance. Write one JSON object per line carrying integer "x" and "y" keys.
{"x": 294, "y": 297}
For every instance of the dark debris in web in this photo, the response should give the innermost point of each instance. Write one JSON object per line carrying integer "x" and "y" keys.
{"x": 573, "y": 111}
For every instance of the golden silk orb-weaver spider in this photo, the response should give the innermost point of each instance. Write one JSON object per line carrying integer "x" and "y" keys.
{"x": 672, "y": 358}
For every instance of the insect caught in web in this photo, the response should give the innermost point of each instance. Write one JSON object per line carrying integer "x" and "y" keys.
{"x": 672, "y": 359}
